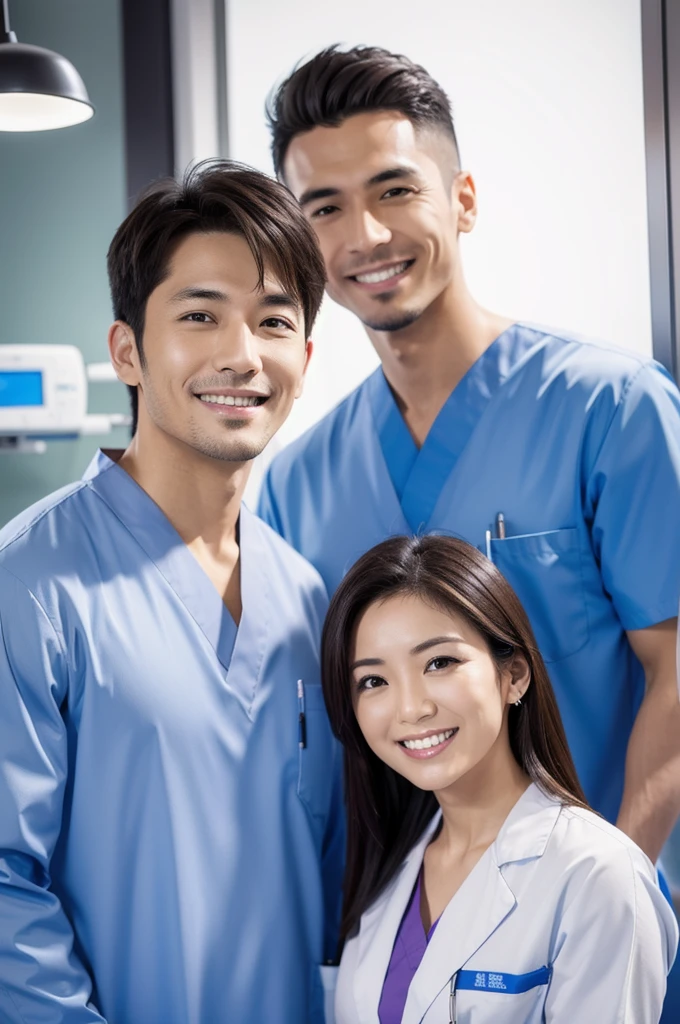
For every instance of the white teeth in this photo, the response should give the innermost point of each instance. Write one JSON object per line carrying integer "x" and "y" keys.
{"x": 429, "y": 741}
{"x": 382, "y": 275}
{"x": 229, "y": 400}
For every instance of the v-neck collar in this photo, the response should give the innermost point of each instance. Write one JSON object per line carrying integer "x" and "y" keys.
{"x": 159, "y": 539}
{"x": 482, "y": 902}
{"x": 418, "y": 475}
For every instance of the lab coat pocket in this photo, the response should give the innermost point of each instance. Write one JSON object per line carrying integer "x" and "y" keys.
{"x": 498, "y": 1008}
{"x": 315, "y": 775}
{"x": 546, "y": 572}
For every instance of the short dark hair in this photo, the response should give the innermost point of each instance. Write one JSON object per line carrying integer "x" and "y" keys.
{"x": 335, "y": 84}
{"x": 387, "y": 814}
{"x": 215, "y": 195}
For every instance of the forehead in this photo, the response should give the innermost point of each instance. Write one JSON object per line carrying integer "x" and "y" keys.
{"x": 219, "y": 257}
{"x": 352, "y": 152}
{"x": 403, "y": 621}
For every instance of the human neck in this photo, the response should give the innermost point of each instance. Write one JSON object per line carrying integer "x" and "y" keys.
{"x": 424, "y": 362}
{"x": 476, "y": 805}
{"x": 200, "y": 496}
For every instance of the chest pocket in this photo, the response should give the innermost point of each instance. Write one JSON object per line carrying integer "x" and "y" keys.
{"x": 496, "y": 998}
{"x": 546, "y": 572}
{"x": 317, "y": 757}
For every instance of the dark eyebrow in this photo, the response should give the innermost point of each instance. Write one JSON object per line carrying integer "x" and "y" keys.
{"x": 365, "y": 661}
{"x": 317, "y": 193}
{"x": 391, "y": 174}
{"x": 280, "y": 299}
{"x": 435, "y": 642}
{"x": 206, "y": 294}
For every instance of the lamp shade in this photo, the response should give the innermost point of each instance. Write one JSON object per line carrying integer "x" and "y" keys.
{"x": 39, "y": 90}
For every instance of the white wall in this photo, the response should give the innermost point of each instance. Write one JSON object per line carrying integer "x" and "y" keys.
{"x": 547, "y": 101}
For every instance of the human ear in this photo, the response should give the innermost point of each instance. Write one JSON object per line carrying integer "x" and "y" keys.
{"x": 124, "y": 354}
{"x": 519, "y": 678}
{"x": 309, "y": 349}
{"x": 464, "y": 199}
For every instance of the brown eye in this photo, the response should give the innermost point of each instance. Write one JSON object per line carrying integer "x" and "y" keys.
{"x": 197, "y": 318}
{"x": 370, "y": 683}
{"x": 441, "y": 662}
{"x": 277, "y": 323}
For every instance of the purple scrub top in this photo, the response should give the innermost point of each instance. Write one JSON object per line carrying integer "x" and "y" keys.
{"x": 407, "y": 952}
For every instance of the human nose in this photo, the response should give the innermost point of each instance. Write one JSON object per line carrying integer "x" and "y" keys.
{"x": 237, "y": 350}
{"x": 367, "y": 232}
{"x": 414, "y": 702}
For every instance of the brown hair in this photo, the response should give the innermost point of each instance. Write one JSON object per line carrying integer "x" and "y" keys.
{"x": 215, "y": 195}
{"x": 386, "y": 814}
{"x": 335, "y": 84}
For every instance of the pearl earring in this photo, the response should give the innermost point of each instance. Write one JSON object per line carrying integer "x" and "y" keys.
{"x": 518, "y": 702}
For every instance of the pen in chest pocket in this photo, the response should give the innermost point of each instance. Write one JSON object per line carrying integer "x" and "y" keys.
{"x": 500, "y": 534}
{"x": 302, "y": 721}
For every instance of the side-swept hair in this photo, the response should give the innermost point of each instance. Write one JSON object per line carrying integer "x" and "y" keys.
{"x": 387, "y": 814}
{"x": 215, "y": 195}
{"x": 335, "y": 84}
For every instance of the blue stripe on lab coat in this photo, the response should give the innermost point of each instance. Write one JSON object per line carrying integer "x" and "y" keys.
{"x": 497, "y": 981}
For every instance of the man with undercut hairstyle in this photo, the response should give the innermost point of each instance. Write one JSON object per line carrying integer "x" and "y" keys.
{"x": 558, "y": 457}
{"x": 170, "y": 818}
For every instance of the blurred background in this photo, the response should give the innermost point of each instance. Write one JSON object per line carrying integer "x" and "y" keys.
{"x": 567, "y": 113}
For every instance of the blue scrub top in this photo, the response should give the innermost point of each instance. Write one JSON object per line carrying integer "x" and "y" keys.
{"x": 578, "y": 446}
{"x": 168, "y": 852}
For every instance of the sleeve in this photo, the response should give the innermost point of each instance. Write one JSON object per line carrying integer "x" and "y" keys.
{"x": 616, "y": 942}
{"x": 41, "y": 978}
{"x": 633, "y": 501}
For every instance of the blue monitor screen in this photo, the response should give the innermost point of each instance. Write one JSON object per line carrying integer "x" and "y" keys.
{"x": 20, "y": 387}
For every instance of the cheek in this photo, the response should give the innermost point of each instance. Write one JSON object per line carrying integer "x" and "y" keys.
{"x": 169, "y": 355}
{"x": 373, "y": 718}
{"x": 485, "y": 712}
{"x": 285, "y": 368}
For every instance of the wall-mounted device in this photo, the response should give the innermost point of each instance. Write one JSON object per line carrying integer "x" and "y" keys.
{"x": 43, "y": 396}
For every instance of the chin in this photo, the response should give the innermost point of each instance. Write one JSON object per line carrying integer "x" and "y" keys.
{"x": 229, "y": 450}
{"x": 391, "y": 322}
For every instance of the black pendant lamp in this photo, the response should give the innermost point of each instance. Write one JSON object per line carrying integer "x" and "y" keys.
{"x": 39, "y": 89}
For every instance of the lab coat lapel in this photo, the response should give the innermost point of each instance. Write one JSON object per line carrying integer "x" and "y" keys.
{"x": 379, "y": 926}
{"x": 483, "y": 901}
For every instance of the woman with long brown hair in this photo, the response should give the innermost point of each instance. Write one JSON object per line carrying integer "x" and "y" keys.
{"x": 479, "y": 886}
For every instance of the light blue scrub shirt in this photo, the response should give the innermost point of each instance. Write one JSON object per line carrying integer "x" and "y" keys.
{"x": 168, "y": 852}
{"x": 579, "y": 447}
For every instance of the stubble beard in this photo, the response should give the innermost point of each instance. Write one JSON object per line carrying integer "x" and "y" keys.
{"x": 397, "y": 322}
{"x": 231, "y": 449}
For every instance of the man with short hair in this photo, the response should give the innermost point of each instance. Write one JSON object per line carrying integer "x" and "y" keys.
{"x": 170, "y": 825}
{"x": 558, "y": 457}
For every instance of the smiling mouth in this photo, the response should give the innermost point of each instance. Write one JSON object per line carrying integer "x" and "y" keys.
{"x": 249, "y": 401}
{"x": 386, "y": 274}
{"x": 429, "y": 742}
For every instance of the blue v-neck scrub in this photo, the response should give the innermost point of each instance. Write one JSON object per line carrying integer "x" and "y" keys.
{"x": 168, "y": 851}
{"x": 578, "y": 446}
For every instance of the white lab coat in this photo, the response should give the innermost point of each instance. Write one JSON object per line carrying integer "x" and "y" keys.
{"x": 560, "y": 887}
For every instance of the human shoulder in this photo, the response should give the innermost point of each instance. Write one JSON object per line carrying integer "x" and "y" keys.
{"x": 588, "y": 360}
{"x": 587, "y": 844}
{"x": 319, "y": 440}
{"x": 36, "y": 542}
